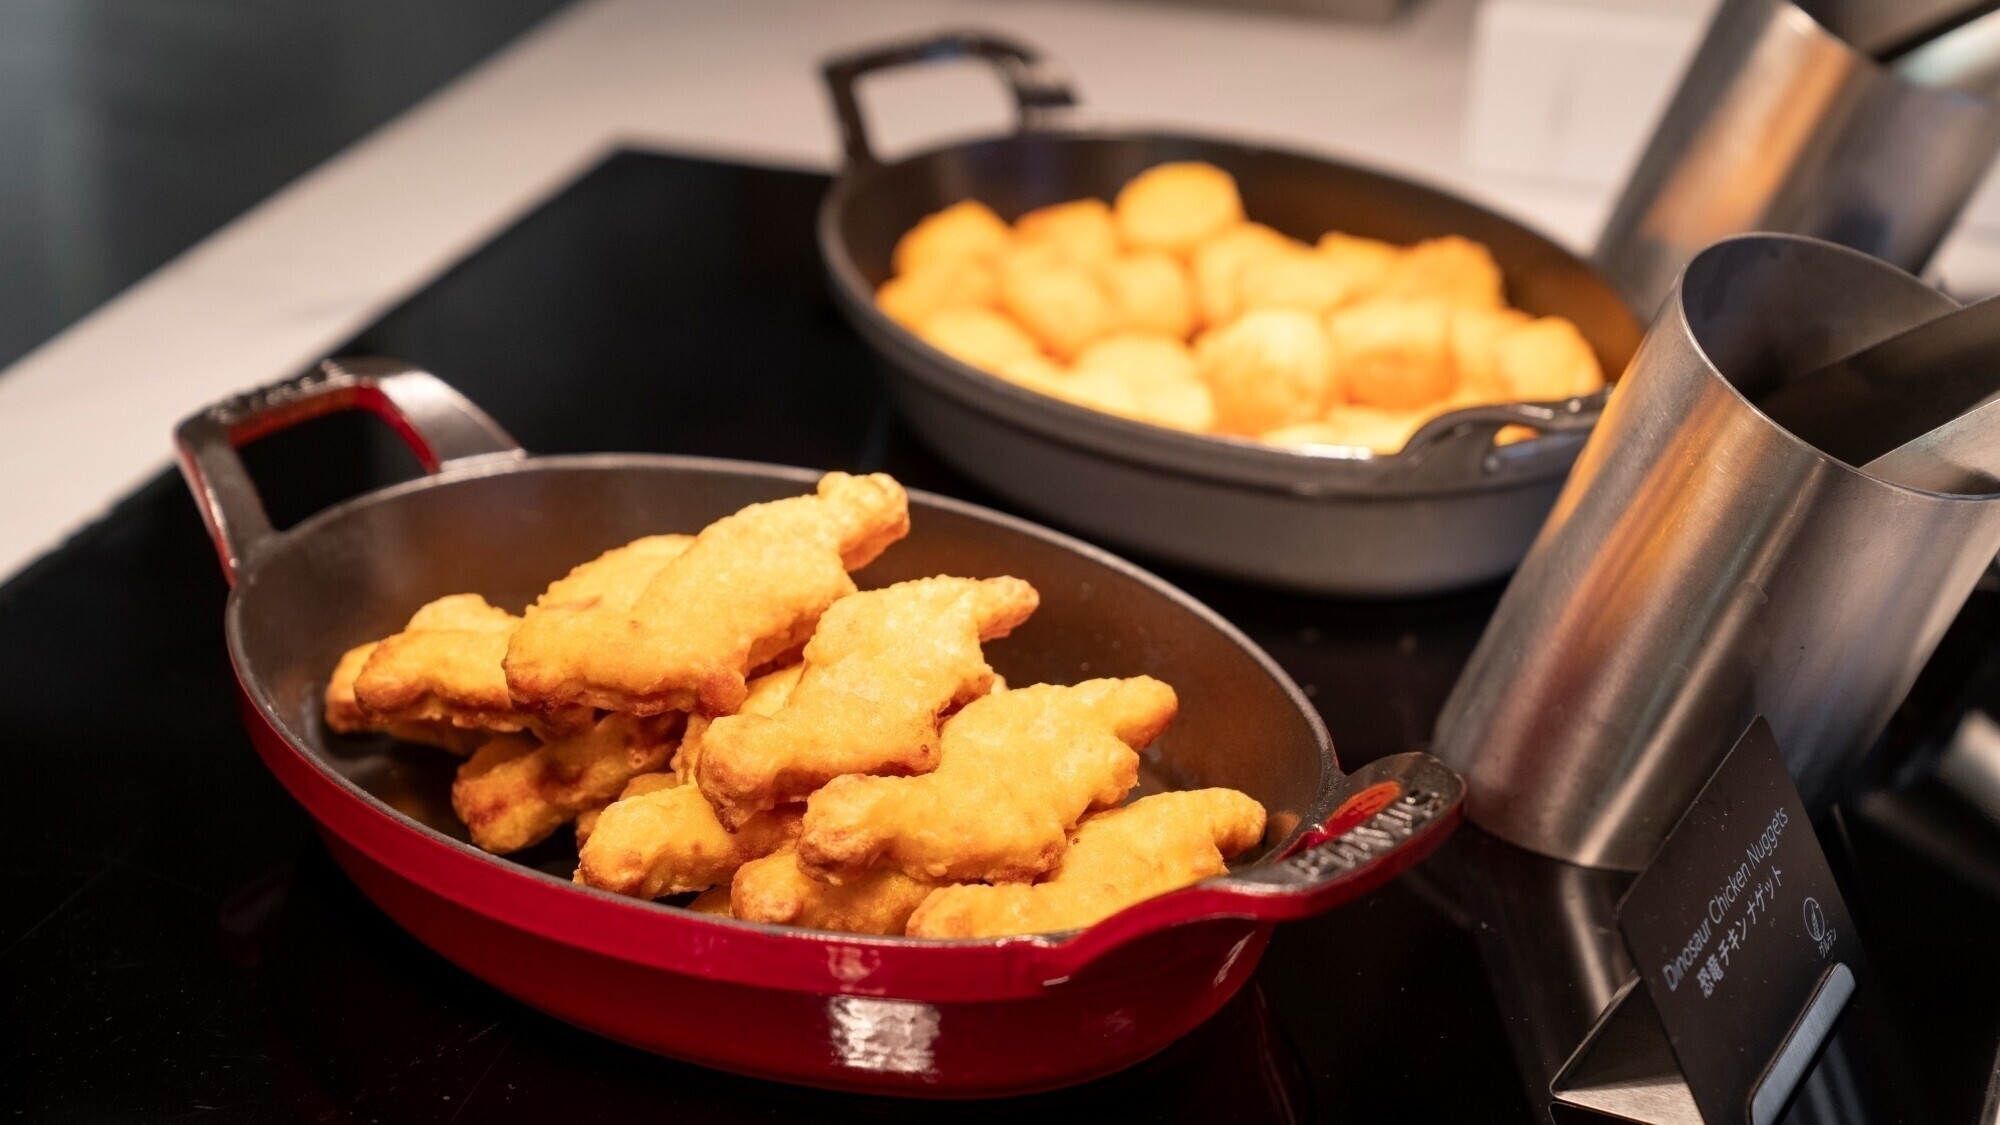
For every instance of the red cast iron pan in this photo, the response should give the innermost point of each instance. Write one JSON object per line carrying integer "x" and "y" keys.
{"x": 886, "y": 1015}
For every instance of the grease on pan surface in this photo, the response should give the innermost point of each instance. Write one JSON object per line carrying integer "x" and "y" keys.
{"x": 724, "y": 716}
{"x": 1170, "y": 306}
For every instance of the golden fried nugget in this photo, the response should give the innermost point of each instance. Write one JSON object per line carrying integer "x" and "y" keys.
{"x": 668, "y": 842}
{"x": 1175, "y": 206}
{"x": 1475, "y": 338}
{"x": 616, "y": 578}
{"x": 1151, "y": 292}
{"x": 1306, "y": 280}
{"x": 1394, "y": 353}
{"x": 883, "y": 665}
{"x": 775, "y": 890}
{"x": 1115, "y": 859}
{"x": 445, "y": 666}
{"x": 749, "y": 589}
{"x": 586, "y": 821}
{"x": 968, "y": 229}
{"x": 345, "y": 716}
{"x": 1547, "y": 360}
{"x": 1370, "y": 258}
{"x": 1144, "y": 377}
{"x": 1218, "y": 263}
{"x": 984, "y": 338}
{"x": 1451, "y": 268}
{"x": 514, "y": 792}
{"x": 912, "y": 298}
{"x": 714, "y": 900}
{"x": 1268, "y": 368}
{"x": 1080, "y": 231}
{"x": 1014, "y": 773}
{"x": 1356, "y": 427}
{"x": 1061, "y": 304}
{"x": 766, "y": 693}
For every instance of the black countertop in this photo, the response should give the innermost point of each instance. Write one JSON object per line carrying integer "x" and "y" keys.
{"x": 175, "y": 943}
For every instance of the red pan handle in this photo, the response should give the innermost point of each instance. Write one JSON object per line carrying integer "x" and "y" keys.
{"x": 1036, "y": 86}
{"x": 440, "y": 426}
{"x": 1388, "y": 815}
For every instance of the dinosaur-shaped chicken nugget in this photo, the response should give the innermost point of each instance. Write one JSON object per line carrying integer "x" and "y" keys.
{"x": 775, "y": 890}
{"x": 1015, "y": 771}
{"x": 445, "y": 667}
{"x": 514, "y": 792}
{"x": 669, "y": 842}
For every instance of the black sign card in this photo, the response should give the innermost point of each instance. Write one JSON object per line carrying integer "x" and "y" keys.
{"x": 1735, "y": 927}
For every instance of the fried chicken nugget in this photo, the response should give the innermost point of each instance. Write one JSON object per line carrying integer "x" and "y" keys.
{"x": 616, "y": 578}
{"x": 1060, "y": 303}
{"x": 1151, "y": 292}
{"x": 445, "y": 666}
{"x": 775, "y": 890}
{"x": 751, "y": 587}
{"x": 714, "y": 900}
{"x": 639, "y": 786}
{"x": 1080, "y": 231}
{"x": 1115, "y": 859}
{"x": 345, "y": 716}
{"x": 1146, "y": 377}
{"x": 766, "y": 694}
{"x": 881, "y": 668}
{"x": 1218, "y": 263}
{"x": 984, "y": 338}
{"x": 1268, "y": 368}
{"x": 1306, "y": 280}
{"x": 1451, "y": 268}
{"x": 912, "y": 298}
{"x": 514, "y": 792}
{"x": 1176, "y": 206}
{"x": 1546, "y": 360}
{"x": 1015, "y": 771}
{"x": 1475, "y": 339}
{"x": 1394, "y": 353}
{"x": 668, "y": 842}
{"x": 1369, "y": 257}
{"x": 964, "y": 230}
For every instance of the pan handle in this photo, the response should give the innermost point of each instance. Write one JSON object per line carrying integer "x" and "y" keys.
{"x": 1458, "y": 446}
{"x": 1389, "y": 814}
{"x": 440, "y": 426}
{"x": 1036, "y": 86}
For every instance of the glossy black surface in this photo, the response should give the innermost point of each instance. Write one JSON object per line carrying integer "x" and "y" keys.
{"x": 175, "y": 945}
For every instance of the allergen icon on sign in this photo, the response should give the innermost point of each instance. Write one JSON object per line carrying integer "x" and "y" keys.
{"x": 1816, "y": 927}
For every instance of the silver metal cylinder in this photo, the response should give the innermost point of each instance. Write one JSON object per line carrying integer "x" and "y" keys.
{"x": 1704, "y": 566}
{"x": 1781, "y": 125}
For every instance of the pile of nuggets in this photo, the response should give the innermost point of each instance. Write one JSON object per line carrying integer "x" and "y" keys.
{"x": 725, "y": 715}
{"x": 1167, "y": 306}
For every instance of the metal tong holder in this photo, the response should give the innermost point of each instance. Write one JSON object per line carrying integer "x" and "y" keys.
{"x": 1703, "y": 565}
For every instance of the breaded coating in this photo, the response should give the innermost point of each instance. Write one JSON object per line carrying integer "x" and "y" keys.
{"x": 1015, "y": 772}
{"x": 1117, "y": 858}
{"x": 616, "y": 578}
{"x": 775, "y": 890}
{"x": 1147, "y": 378}
{"x": 1061, "y": 304}
{"x": 1151, "y": 292}
{"x": 1453, "y": 269}
{"x": 1547, "y": 360}
{"x": 1175, "y": 207}
{"x": 912, "y": 298}
{"x": 1218, "y": 263}
{"x": 1268, "y": 368}
{"x": 1393, "y": 352}
{"x": 968, "y": 229}
{"x": 445, "y": 666}
{"x": 984, "y": 338}
{"x": 345, "y": 716}
{"x": 586, "y": 821}
{"x": 1306, "y": 280}
{"x": 1080, "y": 231}
{"x": 1360, "y": 427}
{"x": 751, "y": 587}
{"x": 1475, "y": 337}
{"x": 1369, "y": 257}
{"x": 883, "y": 665}
{"x": 514, "y": 792}
{"x": 714, "y": 900}
{"x": 766, "y": 694}
{"x": 669, "y": 842}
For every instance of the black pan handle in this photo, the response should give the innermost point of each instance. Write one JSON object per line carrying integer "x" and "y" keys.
{"x": 440, "y": 426}
{"x": 1458, "y": 446}
{"x": 1037, "y": 86}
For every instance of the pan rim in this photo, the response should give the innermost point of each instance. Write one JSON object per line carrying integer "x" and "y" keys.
{"x": 1208, "y": 458}
{"x": 295, "y": 742}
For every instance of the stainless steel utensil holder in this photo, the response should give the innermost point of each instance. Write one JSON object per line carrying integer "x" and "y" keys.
{"x": 1781, "y": 125}
{"x": 1703, "y": 566}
